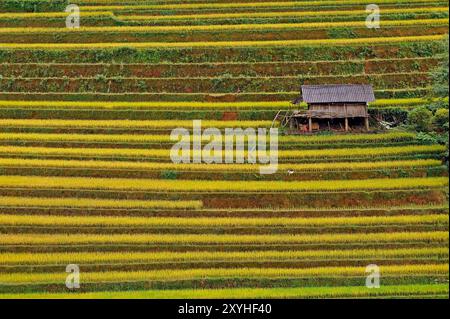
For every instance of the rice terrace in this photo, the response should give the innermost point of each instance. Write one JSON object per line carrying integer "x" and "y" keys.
{"x": 93, "y": 204}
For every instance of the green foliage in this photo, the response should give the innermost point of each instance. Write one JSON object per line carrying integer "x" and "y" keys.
{"x": 440, "y": 119}
{"x": 440, "y": 74}
{"x": 121, "y": 54}
{"x": 436, "y": 138}
{"x": 169, "y": 175}
{"x": 341, "y": 33}
{"x": 424, "y": 49}
{"x": 325, "y": 133}
{"x": 420, "y": 119}
{"x": 33, "y": 5}
{"x": 427, "y": 138}
{"x": 199, "y": 55}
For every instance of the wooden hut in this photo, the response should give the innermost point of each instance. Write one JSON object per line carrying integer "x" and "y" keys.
{"x": 344, "y": 101}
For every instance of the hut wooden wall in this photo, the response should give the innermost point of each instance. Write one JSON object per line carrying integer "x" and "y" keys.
{"x": 341, "y": 110}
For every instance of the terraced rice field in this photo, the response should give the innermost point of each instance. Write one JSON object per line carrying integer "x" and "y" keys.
{"x": 86, "y": 176}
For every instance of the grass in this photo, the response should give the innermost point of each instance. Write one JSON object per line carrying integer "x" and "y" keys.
{"x": 142, "y": 105}
{"x": 33, "y": 15}
{"x": 233, "y": 27}
{"x": 12, "y": 201}
{"x": 250, "y": 273}
{"x": 283, "y": 4}
{"x": 165, "y": 138}
{"x": 390, "y": 136}
{"x": 441, "y": 237}
{"x": 202, "y": 186}
{"x": 410, "y": 101}
{"x": 241, "y": 15}
{"x": 126, "y": 245}
{"x": 334, "y": 153}
{"x": 189, "y": 105}
{"x": 168, "y": 256}
{"x": 307, "y": 167}
{"x": 129, "y": 124}
{"x": 43, "y": 220}
{"x": 174, "y": 45}
{"x": 253, "y": 293}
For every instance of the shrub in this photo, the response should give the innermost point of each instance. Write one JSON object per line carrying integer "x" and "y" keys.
{"x": 33, "y": 5}
{"x": 440, "y": 74}
{"x": 169, "y": 175}
{"x": 440, "y": 119}
{"x": 427, "y": 138}
{"x": 420, "y": 119}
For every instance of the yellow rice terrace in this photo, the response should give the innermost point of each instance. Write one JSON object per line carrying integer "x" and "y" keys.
{"x": 221, "y": 149}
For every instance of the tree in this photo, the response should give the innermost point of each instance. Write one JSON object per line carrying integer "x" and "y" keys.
{"x": 440, "y": 74}
{"x": 420, "y": 119}
{"x": 440, "y": 120}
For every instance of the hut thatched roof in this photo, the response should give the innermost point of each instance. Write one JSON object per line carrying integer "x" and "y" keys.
{"x": 337, "y": 93}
